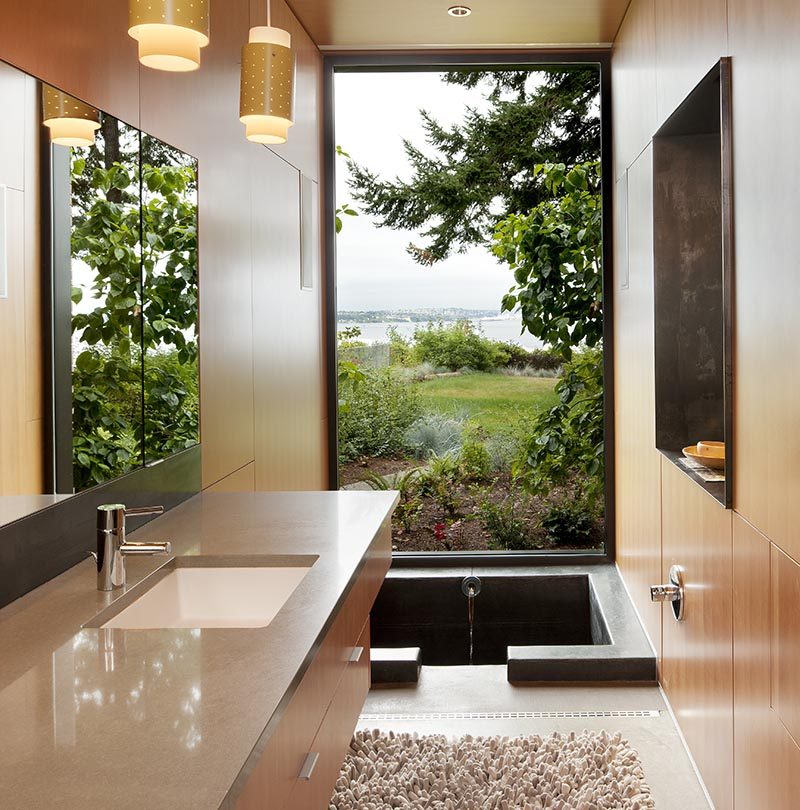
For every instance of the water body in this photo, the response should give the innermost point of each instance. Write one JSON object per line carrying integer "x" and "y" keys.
{"x": 505, "y": 329}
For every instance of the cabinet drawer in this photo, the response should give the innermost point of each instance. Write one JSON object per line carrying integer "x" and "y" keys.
{"x": 327, "y": 753}
{"x": 273, "y": 778}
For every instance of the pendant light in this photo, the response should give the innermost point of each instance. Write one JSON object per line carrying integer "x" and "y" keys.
{"x": 170, "y": 32}
{"x": 70, "y": 121}
{"x": 267, "y": 86}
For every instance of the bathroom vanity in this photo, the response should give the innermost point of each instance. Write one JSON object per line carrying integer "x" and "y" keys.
{"x": 168, "y": 716}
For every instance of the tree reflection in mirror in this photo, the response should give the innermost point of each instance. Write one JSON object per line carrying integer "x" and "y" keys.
{"x": 134, "y": 303}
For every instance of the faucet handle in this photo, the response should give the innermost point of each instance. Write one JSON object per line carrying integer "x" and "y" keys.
{"x": 141, "y": 511}
{"x": 111, "y": 516}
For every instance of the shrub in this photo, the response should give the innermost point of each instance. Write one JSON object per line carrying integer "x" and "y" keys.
{"x": 408, "y": 485}
{"x": 474, "y": 460}
{"x": 456, "y": 346}
{"x": 565, "y": 443}
{"x": 569, "y": 523}
{"x": 508, "y": 530}
{"x": 502, "y": 448}
{"x": 401, "y": 352}
{"x": 515, "y": 356}
{"x": 379, "y": 409}
{"x": 440, "y": 482}
{"x": 544, "y": 359}
{"x": 434, "y": 434}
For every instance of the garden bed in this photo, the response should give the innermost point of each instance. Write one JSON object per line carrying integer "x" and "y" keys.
{"x": 353, "y": 472}
{"x": 495, "y": 515}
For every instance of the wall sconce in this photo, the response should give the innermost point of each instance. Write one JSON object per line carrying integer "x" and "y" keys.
{"x": 267, "y": 85}
{"x": 170, "y": 33}
{"x": 70, "y": 121}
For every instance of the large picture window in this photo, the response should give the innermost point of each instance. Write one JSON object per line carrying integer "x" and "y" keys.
{"x": 470, "y": 304}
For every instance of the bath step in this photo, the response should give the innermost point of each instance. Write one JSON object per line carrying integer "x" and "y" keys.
{"x": 395, "y": 665}
{"x": 579, "y": 663}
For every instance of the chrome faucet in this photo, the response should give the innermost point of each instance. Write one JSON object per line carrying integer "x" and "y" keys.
{"x": 112, "y": 547}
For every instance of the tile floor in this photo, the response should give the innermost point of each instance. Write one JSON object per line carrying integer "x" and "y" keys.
{"x": 485, "y": 689}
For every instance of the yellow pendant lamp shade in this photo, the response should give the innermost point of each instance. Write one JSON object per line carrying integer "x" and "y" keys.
{"x": 170, "y": 33}
{"x": 267, "y": 88}
{"x": 71, "y": 122}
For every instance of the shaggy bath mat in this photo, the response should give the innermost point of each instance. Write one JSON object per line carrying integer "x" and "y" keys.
{"x": 586, "y": 771}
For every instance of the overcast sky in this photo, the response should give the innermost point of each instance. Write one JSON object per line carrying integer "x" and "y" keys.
{"x": 374, "y": 113}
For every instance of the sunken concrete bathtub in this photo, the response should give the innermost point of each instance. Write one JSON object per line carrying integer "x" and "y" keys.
{"x": 566, "y": 623}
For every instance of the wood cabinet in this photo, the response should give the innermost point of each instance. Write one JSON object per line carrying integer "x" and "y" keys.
{"x": 315, "y": 730}
{"x": 327, "y": 752}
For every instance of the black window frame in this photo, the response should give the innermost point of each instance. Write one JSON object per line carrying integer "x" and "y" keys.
{"x": 422, "y": 61}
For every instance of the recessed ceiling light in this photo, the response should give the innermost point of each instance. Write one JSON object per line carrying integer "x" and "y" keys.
{"x": 459, "y": 11}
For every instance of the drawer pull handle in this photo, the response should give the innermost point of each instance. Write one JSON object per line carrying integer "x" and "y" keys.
{"x": 355, "y": 656}
{"x": 308, "y": 766}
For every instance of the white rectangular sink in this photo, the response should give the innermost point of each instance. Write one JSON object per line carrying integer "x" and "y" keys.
{"x": 212, "y": 597}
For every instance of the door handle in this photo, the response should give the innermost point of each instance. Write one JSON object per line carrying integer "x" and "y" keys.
{"x": 355, "y": 655}
{"x": 673, "y": 592}
{"x": 309, "y": 764}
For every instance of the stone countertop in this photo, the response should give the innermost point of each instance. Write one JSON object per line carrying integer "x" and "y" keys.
{"x": 169, "y": 718}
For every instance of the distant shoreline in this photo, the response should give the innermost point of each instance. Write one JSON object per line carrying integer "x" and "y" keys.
{"x": 506, "y": 329}
{"x": 418, "y": 315}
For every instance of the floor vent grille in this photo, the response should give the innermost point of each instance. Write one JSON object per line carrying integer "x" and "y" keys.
{"x": 371, "y": 718}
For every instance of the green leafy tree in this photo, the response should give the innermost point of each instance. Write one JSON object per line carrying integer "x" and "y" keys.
{"x": 475, "y": 173}
{"x": 555, "y": 252}
{"x": 344, "y": 209}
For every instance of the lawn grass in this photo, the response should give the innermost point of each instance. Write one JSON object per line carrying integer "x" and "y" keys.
{"x": 495, "y": 402}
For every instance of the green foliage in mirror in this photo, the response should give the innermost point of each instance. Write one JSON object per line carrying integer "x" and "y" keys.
{"x": 134, "y": 323}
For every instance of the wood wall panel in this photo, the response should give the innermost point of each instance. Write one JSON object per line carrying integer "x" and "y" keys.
{"x": 12, "y": 353}
{"x": 697, "y": 653}
{"x": 633, "y": 74}
{"x": 198, "y": 112}
{"x": 764, "y": 37}
{"x": 784, "y": 787}
{"x": 243, "y": 480}
{"x": 753, "y": 759}
{"x": 288, "y": 339}
{"x": 34, "y": 343}
{"x": 304, "y": 148}
{"x": 786, "y": 641}
{"x": 638, "y": 467}
{"x": 766, "y": 756}
{"x": 21, "y": 413}
{"x": 691, "y": 36}
{"x": 81, "y": 47}
{"x": 226, "y": 333}
{"x": 12, "y": 128}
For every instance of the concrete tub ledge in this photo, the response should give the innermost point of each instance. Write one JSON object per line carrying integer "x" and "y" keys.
{"x": 620, "y": 650}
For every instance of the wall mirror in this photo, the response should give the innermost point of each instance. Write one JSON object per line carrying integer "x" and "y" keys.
{"x": 100, "y": 318}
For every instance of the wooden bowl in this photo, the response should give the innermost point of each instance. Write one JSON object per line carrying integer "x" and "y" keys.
{"x": 712, "y": 462}
{"x": 714, "y": 449}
